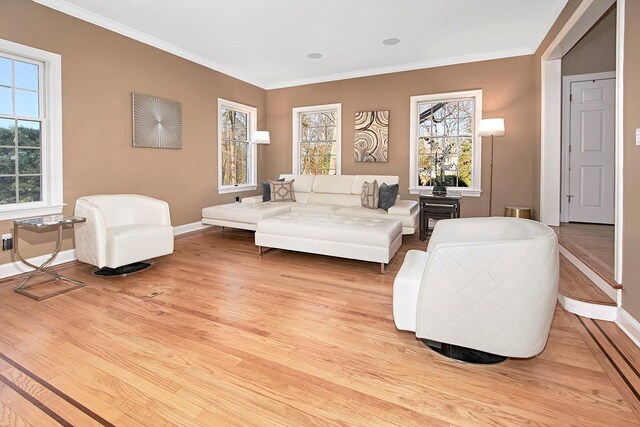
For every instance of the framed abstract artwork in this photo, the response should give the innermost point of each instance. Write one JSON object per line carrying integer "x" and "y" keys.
{"x": 372, "y": 136}
{"x": 157, "y": 122}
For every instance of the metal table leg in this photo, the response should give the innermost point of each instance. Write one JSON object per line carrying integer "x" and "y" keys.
{"x": 23, "y": 288}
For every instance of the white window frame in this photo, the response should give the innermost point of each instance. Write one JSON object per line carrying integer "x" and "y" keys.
{"x": 51, "y": 132}
{"x": 476, "y": 146}
{"x": 252, "y": 126}
{"x": 296, "y": 112}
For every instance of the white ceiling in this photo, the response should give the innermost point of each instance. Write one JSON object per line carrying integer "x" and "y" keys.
{"x": 266, "y": 42}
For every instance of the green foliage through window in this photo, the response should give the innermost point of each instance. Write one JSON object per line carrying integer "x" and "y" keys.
{"x": 445, "y": 138}
{"x": 318, "y": 143}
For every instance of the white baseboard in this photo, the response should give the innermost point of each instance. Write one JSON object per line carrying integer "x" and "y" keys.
{"x": 590, "y": 310}
{"x": 629, "y": 325}
{"x": 15, "y": 268}
{"x": 591, "y": 275}
{"x": 188, "y": 228}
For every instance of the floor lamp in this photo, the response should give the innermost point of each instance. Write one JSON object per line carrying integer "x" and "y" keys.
{"x": 491, "y": 127}
{"x": 261, "y": 137}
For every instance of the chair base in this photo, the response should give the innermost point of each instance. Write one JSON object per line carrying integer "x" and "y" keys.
{"x": 124, "y": 270}
{"x": 463, "y": 354}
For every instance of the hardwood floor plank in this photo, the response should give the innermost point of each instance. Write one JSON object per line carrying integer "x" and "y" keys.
{"x": 286, "y": 338}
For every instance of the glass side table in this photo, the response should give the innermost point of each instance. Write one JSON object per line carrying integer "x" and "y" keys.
{"x": 42, "y": 223}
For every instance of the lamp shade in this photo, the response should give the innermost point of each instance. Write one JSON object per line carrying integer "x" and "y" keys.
{"x": 261, "y": 137}
{"x": 491, "y": 127}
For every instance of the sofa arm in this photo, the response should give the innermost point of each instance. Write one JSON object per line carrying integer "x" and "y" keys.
{"x": 404, "y": 207}
{"x": 252, "y": 199}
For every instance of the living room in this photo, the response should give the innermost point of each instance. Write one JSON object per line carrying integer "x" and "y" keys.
{"x": 218, "y": 331}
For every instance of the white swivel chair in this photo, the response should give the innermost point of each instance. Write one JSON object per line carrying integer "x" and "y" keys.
{"x": 121, "y": 231}
{"x": 487, "y": 284}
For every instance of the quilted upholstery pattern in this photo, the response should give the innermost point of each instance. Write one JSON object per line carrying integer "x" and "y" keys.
{"x": 495, "y": 295}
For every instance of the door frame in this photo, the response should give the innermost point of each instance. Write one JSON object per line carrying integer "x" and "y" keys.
{"x": 584, "y": 17}
{"x": 566, "y": 128}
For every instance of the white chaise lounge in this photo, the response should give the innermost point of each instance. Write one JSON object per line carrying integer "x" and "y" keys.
{"x": 322, "y": 194}
{"x": 488, "y": 284}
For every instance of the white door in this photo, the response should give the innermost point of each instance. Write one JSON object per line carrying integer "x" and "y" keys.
{"x": 591, "y": 152}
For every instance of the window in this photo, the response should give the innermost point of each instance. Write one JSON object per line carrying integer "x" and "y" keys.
{"x": 30, "y": 132}
{"x": 444, "y": 142}
{"x": 236, "y": 154}
{"x": 316, "y": 140}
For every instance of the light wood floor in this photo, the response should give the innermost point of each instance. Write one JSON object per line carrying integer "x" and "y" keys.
{"x": 593, "y": 244}
{"x": 282, "y": 339}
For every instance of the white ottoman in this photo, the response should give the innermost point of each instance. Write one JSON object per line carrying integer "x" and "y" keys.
{"x": 242, "y": 215}
{"x": 365, "y": 239}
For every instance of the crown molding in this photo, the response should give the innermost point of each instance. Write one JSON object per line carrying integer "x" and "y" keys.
{"x": 454, "y": 60}
{"x": 93, "y": 18}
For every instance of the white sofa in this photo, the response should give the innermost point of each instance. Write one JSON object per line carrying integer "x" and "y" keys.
{"x": 488, "y": 284}
{"x": 122, "y": 229}
{"x": 320, "y": 194}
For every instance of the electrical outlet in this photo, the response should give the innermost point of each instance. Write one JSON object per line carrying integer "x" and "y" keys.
{"x": 7, "y": 242}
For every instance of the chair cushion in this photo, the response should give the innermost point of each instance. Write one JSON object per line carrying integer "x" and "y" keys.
{"x": 137, "y": 242}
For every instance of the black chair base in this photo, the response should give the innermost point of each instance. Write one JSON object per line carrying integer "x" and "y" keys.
{"x": 463, "y": 354}
{"x": 122, "y": 271}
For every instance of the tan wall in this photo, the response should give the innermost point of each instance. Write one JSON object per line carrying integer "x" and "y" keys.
{"x": 631, "y": 230}
{"x": 100, "y": 69}
{"x": 566, "y": 13}
{"x": 596, "y": 51}
{"x": 507, "y": 86}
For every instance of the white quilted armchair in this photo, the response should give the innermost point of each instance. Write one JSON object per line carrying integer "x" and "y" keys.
{"x": 488, "y": 284}
{"x": 122, "y": 229}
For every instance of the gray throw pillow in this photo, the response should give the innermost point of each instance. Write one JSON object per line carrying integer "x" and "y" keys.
{"x": 388, "y": 196}
{"x": 282, "y": 191}
{"x": 369, "y": 195}
{"x": 266, "y": 190}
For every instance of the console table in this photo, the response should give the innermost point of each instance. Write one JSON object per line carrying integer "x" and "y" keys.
{"x": 43, "y": 223}
{"x": 436, "y": 207}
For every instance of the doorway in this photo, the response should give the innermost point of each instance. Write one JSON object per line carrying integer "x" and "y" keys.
{"x": 588, "y": 149}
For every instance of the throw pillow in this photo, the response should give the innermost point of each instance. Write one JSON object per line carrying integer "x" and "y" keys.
{"x": 388, "y": 196}
{"x": 282, "y": 191}
{"x": 369, "y": 195}
{"x": 266, "y": 190}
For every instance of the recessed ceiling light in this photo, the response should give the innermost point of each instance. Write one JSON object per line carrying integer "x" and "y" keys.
{"x": 390, "y": 42}
{"x": 314, "y": 55}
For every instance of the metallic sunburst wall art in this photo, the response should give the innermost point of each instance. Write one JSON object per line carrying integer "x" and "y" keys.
{"x": 157, "y": 122}
{"x": 372, "y": 136}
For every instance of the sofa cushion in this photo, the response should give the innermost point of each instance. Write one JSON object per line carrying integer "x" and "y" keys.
{"x": 319, "y": 208}
{"x": 340, "y": 184}
{"x": 369, "y": 195}
{"x": 249, "y": 213}
{"x": 359, "y": 211}
{"x": 301, "y": 183}
{"x": 358, "y": 180}
{"x": 335, "y": 199}
{"x": 388, "y": 196}
{"x": 282, "y": 191}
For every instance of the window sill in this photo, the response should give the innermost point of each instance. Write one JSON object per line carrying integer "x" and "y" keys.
{"x": 237, "y": 188}
{"x": 465, "y": 192}
{"x": 17, "y": 211}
